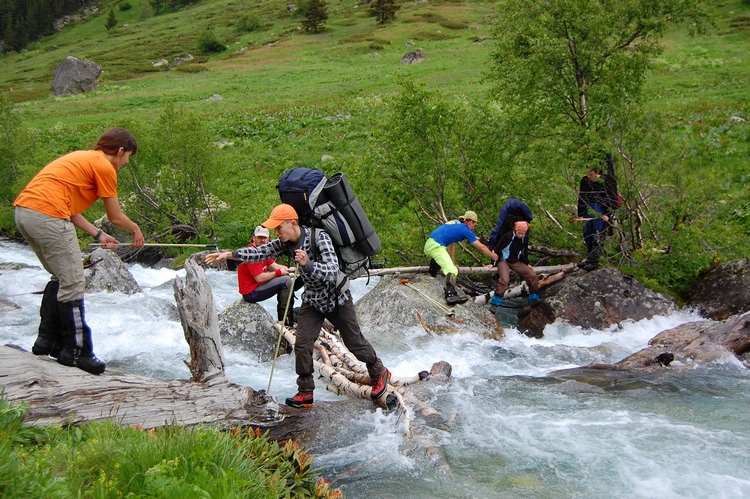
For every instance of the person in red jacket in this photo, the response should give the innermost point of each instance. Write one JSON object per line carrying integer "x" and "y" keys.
{"x": 48, "y": 212}
{"x": 261, "y": 280}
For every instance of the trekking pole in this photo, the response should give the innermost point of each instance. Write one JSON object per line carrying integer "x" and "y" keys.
{"x": 447, "y": 310}
{"x": 168, "y": 245}
{"x": 281, "y": 330}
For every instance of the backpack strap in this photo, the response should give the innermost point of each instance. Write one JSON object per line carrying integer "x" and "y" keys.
{"x": 342, "y": 281}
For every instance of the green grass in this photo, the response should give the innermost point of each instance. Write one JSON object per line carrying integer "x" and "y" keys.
{"x": 108, "y": 460}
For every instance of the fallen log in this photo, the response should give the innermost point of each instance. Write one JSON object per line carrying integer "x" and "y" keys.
{"x": 540, "y": 270}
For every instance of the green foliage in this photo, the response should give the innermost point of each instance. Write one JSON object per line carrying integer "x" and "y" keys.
{"x": 125, "y": 6}
{"x": 16, "y": 149}
{"x": 111, "y": 20}
{"x": 17, "y": 440}
{"x": 248, "y": 23}
{"x": 107, "y": 460}
{"x": 578, "y": 63}
{"x": 384, "y": 11}
{"x": 157, "y": 5}
{"x": 208, "y": 42}
{"x": 434, "y": 161}
{"x": 316, "y": 14}
{"x": 22, "y": 21}
{"x": 170, "y": 180}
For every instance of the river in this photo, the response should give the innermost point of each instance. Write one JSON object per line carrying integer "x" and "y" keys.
{"x": 512, "y": 431}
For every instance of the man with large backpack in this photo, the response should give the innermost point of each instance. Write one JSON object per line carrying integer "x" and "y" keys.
{"x": 323, "y": 298}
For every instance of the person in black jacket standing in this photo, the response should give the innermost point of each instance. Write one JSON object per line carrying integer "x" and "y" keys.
{"x": 597, "y": 200}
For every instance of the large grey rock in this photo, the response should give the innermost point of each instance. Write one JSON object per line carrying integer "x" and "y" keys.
{"x": 414, "y": 57}
{"x": 680, "y": 349}
{"x": 391, "y": 306}
{"x": 248, "y": 327}
{"x": 723, "y": 292}
{"x": 106, "y": 272}
{"x": 75, "y": 76}
{"x": 595, "y": 300}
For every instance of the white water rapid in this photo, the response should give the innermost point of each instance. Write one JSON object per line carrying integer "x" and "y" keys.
{"x": 511, "y": 432}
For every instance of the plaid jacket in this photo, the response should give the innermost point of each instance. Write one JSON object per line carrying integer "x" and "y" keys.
{"x": 319, "y": 275}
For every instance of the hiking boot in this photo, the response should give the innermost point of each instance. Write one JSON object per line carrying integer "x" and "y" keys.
{"x": 301, "y": 400}
{"x": 453, "y": 298}
{"x": 378, "y": 388}
{"x": 588, "y": 266}
{"x": 90, "y": 364}
{"x": 46, "y": 346}
{"x": 434, "y": 267}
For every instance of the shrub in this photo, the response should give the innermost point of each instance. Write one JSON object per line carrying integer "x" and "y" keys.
{"x": 125, "y": 6}
{"x": 248, "y": 23}
{"x": 208, "y": 42}
{"x": 316, "y": 14}
{"x": 111, "y": 20}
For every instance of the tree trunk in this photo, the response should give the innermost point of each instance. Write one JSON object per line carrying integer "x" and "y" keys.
{"x": 195, "y": 303}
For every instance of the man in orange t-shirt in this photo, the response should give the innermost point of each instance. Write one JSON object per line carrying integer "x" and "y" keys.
{"x": 48, "y": 211}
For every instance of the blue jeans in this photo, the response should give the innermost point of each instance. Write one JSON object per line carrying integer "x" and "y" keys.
{"x": 595, "y": 233}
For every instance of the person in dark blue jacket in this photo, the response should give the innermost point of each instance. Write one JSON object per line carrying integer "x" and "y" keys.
{"x": 597, "y": 200}
{"x": 512, "y": 250}
{"x": 512, "y": 211}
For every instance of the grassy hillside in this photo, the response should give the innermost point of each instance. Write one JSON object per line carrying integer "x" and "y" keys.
{"x": 289, "y": 98}
{"x": 276, "y": 65}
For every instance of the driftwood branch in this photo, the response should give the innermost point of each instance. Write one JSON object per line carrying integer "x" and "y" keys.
{"x": 200, "y": 321}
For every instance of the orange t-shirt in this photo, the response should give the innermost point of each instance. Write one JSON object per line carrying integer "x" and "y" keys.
{"x": 70, "y": 184}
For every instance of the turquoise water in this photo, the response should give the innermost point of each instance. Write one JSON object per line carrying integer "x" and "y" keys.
{"x": 505, "y": 429}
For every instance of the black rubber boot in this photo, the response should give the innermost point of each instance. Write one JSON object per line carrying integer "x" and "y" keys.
{"x": 78, "y": 350}
{"x": 451, "y": 295}
{"x": 50, "y": 338}
{"x": 434, "y": 267}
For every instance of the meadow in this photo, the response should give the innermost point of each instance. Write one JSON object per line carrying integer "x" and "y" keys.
{"x": 278, "y": 97}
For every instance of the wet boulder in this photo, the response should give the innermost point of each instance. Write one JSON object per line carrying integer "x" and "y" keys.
{"x": 595, "y": 300}
{"x": 679, "y": 348}
{"x": 105, "y": 272}
{"x": 392, "y": 305}
{"x": 7, "y": 306}
{"x": 248, "y": 327}
{"x": 722, "y": 292}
